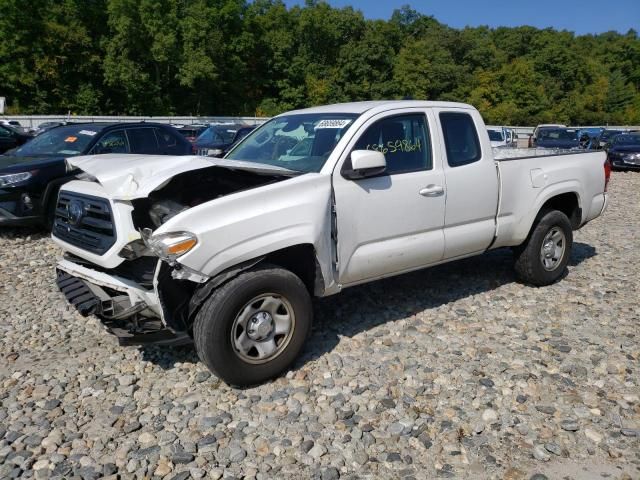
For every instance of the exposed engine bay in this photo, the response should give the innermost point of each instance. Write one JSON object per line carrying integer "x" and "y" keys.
{"x": 193, "y": 188}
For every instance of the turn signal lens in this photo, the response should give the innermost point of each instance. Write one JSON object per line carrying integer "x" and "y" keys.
{"x": 181, "y": 247}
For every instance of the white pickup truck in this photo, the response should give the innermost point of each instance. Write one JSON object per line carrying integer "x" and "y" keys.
{"x": 228, "y": 252}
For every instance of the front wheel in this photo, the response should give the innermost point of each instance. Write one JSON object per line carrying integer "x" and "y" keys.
{"x": 253, "y": 327}
{"x": 543, "y": 258}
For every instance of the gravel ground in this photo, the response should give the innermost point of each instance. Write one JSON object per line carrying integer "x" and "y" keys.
{"x": 453, "y": 372}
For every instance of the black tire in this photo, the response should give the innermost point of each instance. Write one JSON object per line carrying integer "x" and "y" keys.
{"x": 529, "y": 265}
{"x": 213, "y": 325}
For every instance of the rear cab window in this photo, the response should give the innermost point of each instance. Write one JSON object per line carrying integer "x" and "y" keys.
{"x": 460, "y": 138}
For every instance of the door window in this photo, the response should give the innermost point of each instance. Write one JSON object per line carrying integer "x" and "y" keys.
{"x": 168, "y": 142}
{"x": 142, "y": 140}
{"x": 460, "y": 138}
{"x": 404, "y": 140}
{"x": 112, "y": 142}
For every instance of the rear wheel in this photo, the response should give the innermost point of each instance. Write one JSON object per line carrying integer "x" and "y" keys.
{"x": 543, "y": 258}
{"x": 253, "y": 327}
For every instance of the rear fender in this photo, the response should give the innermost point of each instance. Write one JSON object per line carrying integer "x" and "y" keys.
{"x": 527, "y": 222}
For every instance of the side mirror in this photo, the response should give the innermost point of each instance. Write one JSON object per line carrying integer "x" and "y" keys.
{"x": 365, "y": 164}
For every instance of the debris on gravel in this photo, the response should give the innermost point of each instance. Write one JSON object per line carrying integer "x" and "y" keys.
{"x": 457, "y": 371}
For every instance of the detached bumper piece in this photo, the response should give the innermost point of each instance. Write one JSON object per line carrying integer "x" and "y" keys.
{"x": 116, "y": 313}
{"x": 78, "y": 293}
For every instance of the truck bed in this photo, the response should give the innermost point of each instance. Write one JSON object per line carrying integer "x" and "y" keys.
{"x": 502, "y": 154}
{"x": 550, "y": 174}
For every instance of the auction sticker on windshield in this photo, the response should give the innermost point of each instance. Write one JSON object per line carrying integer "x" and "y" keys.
{"x": 91, "y": 133}
{"x": 336, "y": 123}
{"x": 70, "y": 139}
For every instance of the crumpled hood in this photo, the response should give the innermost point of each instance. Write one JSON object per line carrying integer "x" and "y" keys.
{"x": 127, "y": 177}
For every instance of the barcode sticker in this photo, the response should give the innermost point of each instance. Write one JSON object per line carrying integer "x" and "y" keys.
{"x": 336, "y": 123}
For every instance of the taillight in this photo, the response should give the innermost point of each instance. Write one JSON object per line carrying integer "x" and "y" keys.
{"x": 607, "y": 173}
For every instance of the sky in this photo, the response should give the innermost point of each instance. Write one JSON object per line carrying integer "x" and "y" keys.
{"x": 580, "y": 16}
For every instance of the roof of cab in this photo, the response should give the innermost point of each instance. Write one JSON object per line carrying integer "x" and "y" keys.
{"x": 361, "y": 107}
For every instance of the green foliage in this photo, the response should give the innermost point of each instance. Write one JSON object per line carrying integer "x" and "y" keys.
{"x": 230, "y": 57}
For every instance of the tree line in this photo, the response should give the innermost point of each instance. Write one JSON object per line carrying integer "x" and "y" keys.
{"x": 235, "y": 57}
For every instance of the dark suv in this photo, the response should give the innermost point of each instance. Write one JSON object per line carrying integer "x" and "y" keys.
{"x": 217, "y": 140}
{"x": 31, "y": 175}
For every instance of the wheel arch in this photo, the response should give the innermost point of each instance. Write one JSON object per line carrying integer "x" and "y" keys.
{"x": 567, "y": 203}
{"x": 566, "y": 200}
{"x": 300, "y": 259}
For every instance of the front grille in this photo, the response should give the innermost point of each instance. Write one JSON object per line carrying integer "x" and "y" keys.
{"x": 84, "y": 221}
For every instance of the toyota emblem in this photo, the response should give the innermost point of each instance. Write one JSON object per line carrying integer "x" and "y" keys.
{"x": 76, "y": 211}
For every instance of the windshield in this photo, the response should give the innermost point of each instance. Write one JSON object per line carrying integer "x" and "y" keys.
{"x": 69, "y": 140}
{"x": 301, "y": 142}
{"x": 495, "y": 136}
{"x": 558, "y": 134}
{"x": 627, "y": 140}
{"x": 217, "y": 134}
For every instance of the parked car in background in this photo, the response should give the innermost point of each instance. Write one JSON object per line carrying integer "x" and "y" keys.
{"x": 560, "y": 138}
{"x": 11, "y": 138}
{"x": 606, "y": 136}
{"x": 216, "y": 140}
{"x": 15, "y": 124}
{"x": 534, "y": 138}
{"x": 31, "y": 175}
{"x": 589, "y": 137}
{"x": 44, "y": 126}
{"x": 190, "y": 132}
{"x": 11, "y": 123}
{"x": 624, "y": 151}
{"x": 497, "y": 137}
{"x": 377, "y": 189}
{"x": 509, "y": 137}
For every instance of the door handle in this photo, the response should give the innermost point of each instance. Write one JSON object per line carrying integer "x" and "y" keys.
{"x": 432, "y": 191}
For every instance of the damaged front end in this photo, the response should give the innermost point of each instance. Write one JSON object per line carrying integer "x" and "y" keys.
{"x": 127, "y": 299}
{"x": 117, "y": 269}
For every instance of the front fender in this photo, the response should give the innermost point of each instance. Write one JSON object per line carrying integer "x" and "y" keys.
{"x": 253, "y": 223}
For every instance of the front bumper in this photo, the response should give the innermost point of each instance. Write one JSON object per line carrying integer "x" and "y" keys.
{"x": 18, "y": 208}
{"x": 128, "y": 310}
{"x": 7, "y": 219}
{"x": 623, "y": 165}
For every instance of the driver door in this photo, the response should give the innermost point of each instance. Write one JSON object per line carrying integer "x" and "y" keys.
{"x": 394, "y": 222}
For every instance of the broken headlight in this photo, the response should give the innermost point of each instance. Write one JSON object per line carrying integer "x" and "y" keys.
{"x": 169, "y": 246}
